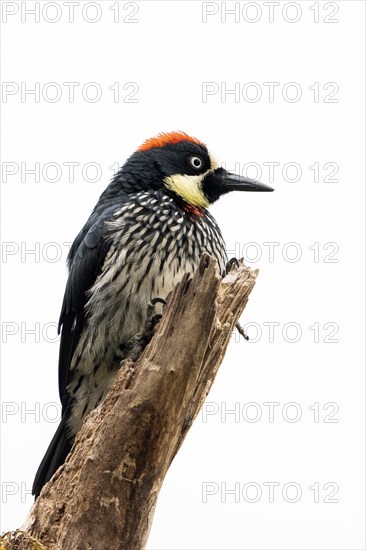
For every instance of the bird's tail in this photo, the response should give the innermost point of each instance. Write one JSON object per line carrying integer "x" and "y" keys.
{"x": 56, "y": 454}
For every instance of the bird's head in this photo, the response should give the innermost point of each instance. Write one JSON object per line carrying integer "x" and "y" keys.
{"x": 184, "y": 166}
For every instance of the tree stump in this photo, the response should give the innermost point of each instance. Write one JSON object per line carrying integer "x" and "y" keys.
{"x": 105, "y": 494}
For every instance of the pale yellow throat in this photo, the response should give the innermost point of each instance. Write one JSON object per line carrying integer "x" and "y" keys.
{"x": 189, "y": 188}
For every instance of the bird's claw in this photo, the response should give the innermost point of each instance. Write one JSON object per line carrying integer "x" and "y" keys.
{"x": 151, "y": 319}
{"x": 157, "y": 300}
{"x": 233, "y": 262}
{"x": 141, "y": 340}
{"x": 241, "y": 331}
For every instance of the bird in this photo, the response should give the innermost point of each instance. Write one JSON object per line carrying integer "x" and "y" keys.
{"x": 149, "y": 227}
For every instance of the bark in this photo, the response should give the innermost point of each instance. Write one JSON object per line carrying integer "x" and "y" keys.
{"x": 105, "y": 494}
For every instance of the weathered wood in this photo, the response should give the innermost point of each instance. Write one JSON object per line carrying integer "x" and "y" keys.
{"x": 104, "y": 496}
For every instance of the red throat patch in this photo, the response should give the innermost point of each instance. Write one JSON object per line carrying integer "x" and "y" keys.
{"x": 166, "y": 138}
{"x": 193, "y": 211}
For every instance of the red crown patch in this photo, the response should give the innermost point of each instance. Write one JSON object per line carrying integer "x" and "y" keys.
{"x": 166, "y": 138}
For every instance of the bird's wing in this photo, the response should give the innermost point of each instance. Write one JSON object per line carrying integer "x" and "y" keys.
{"x": 85, "y": 264}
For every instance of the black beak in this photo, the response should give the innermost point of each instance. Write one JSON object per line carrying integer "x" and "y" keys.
{"x": 220, "y": 181}
{"x": 233, "y": 182}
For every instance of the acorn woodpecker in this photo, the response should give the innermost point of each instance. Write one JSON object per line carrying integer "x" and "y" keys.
{"x": 149, "y": 227}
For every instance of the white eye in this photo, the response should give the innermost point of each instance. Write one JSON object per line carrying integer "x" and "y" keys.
{"x": 195, "y": 162}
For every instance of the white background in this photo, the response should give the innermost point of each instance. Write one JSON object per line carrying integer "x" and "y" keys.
{"x": 169, "y": 52}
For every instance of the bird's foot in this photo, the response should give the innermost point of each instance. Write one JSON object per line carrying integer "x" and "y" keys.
{"x": 153, "y": 319}
{"x": 140, "y": 341}
{"x": 234, "y": 264}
